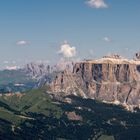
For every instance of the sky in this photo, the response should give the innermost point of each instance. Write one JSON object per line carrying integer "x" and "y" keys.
{"x": 51, "y": 30}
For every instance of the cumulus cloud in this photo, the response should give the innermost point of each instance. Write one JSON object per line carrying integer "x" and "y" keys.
{"x": 67, "y": 50}
{"x": 22, "y": 43}
{"x": 107, "y": 39}
{"x": 97, "y": 4}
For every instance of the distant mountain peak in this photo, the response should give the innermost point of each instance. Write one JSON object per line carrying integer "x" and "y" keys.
{"x": 12, "y": 67}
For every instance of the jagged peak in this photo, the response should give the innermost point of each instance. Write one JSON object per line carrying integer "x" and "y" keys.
{"x": 113, "y": 56}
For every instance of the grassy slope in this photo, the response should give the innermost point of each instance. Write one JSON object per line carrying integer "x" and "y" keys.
{"x": 35, "y": 115}
{"x": 35, "y": 101}
{"x": 17, "y": 111}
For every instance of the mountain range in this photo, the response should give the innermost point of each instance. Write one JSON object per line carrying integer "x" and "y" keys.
{"x": 98, "y": 97}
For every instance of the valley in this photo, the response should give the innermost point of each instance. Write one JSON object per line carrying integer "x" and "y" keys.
{"x": 65, "y": 103}
{"x": 36, "y": 115}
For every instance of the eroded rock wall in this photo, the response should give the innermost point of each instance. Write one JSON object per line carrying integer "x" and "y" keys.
{"x": 104, "y": 81}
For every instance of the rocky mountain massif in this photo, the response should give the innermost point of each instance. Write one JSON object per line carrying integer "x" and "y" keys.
{"x": 110, "y": 79}
{"x": 34, "y": 114}
{"x": 32, "y": 75}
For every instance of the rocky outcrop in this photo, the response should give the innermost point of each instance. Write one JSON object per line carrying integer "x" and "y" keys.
{"x": 44, "y": 73}
{"x": 114, "y": 80}
{"x": 137, "y": 56}
{"x": 73, "y": 116}
{"x": 35, "y": 70}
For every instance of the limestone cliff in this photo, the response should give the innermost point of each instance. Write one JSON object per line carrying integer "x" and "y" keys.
{"x": 108, "y": 79}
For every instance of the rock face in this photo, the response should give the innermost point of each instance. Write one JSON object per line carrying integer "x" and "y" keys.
{"x": 108, "y": 79}
{"x": 137, "y": 56}
{"x": 37, "y": 70}
{"x": 44, "y": 73}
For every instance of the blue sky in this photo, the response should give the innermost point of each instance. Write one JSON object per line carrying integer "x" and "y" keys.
{"x": 32, "y": 30}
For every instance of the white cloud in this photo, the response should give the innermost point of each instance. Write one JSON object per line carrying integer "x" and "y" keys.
{"x": 97, "y": 3}
{"x": 67, "y": 51}
{"x": 22, "y": 43}
{"x": 107, "y": 39}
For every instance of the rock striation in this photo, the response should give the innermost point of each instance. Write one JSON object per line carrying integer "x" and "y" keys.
{"x": 35, "y": 70}
{"x": 109, "y": 79}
